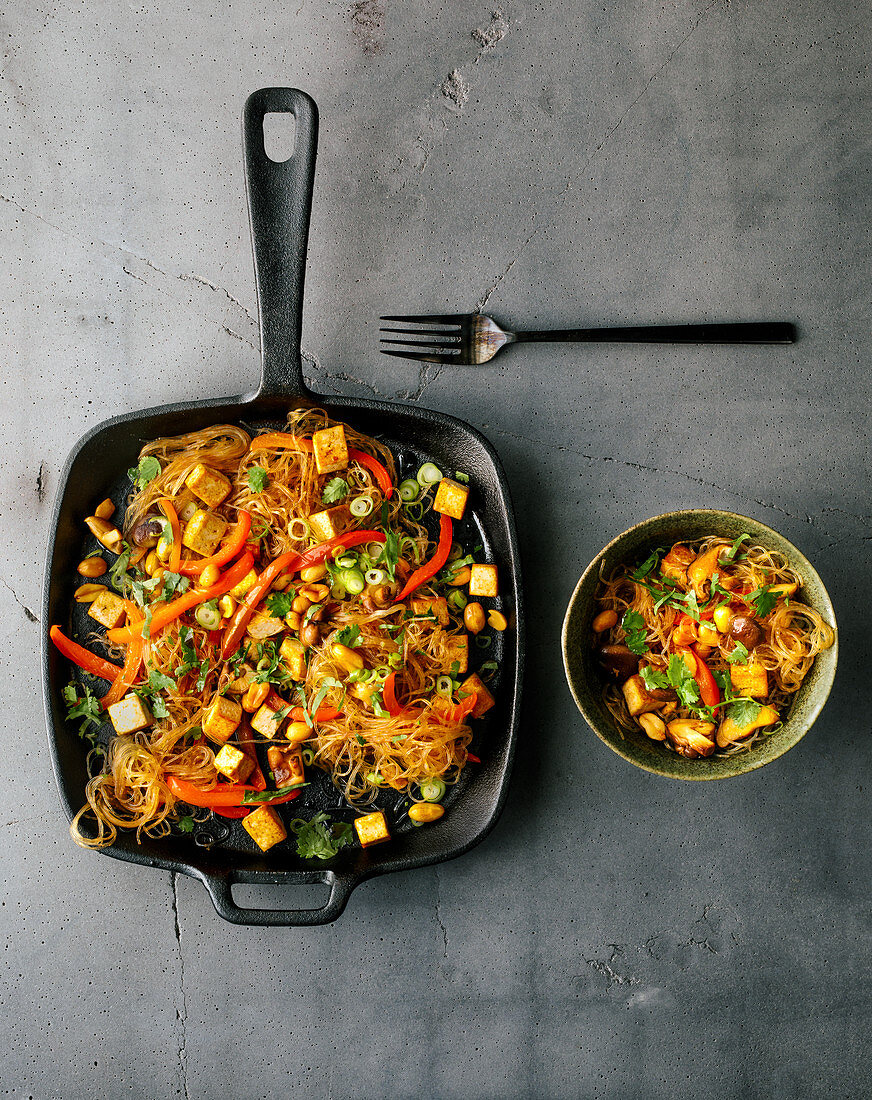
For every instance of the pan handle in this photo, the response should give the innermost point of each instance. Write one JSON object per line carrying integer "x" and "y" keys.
{"x": 220, "y": 890}
{"x": 279, "y": 204}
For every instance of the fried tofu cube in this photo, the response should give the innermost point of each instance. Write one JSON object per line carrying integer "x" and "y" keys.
{"x": 211, "y": 486}
{"x": 483, "y": 580}
{"x": 451, "y": 498}
{"x": 245, "y": 585}
{"x": 221, "y": 719}
{"x": 331, "y": 449}
{"x": 638, "y": 698}
{"x": 457, "y": 646}
{"x": 431, "y": 605}
{"x": 331, "y": 523}
{"x": 265, "y": 827}
{"x": 268, "y": 720}
{"x": 293, "y": 653}
{"x": 473, "y": 685}
{"x": 108, "y": 609}
{"x": 204, "y": 532}
{"x": 371, "y": 829}
{"x": 129, "y": 715}
{"x": 233, "y": 764}
{"x": 750, "y": 680}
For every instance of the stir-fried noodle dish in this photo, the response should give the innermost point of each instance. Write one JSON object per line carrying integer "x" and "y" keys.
{"x": 703, "y": 645}
{"x": 275, "y": 604}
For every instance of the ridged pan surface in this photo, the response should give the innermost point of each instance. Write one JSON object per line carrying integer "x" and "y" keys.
{"x": 220, "y": 853}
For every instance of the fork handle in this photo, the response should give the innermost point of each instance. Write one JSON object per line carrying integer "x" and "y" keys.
{"x": 753, "y": 332}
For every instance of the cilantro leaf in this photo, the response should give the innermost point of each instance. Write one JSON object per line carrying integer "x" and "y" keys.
{"x": 251, "y": 797}
{"x": 730, "y": 555}
{"x": 279, "y": 603}
{"x": 743, "y": 711}
{"x": 763, "y": 600}
{"x": 349, "y": 636}
{"x": 653, "y": 678}
{"x": 258, "y": 479}
{"x": 159, "y": 681}
{"x": 174, "y": 582}
{"x": 85, "y": 709}
{"x": 647, "y": 566}
{"x": 147, "y": 470}
{"x": 739, "y": 655}
{"x": 320, "y": 838}
{"x": 335, "y": 490}
{"x": 635, "y": 630}
{"x": 684, "y": 683}
{"x": 459, "y": 475}
{"x": 185, "y": 824}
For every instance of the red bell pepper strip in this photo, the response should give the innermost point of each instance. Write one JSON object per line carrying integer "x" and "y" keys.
{"x": 168, "y": 509}
{"x": 292, "y": 561}
{"x": 132, "y": 660}
{"x": 378, "y": 471}
{"x": 389, "y": 695}
{"x": 709, "y": 692}
{"x": 222, "y": 796}
{"x": 235, "y": 813}
{"x": 281, "y": 439}
{"x": 231, "y": 548}
{"x": 90, "y": 662}
{"x": 324, "y": 714}
{"x": 165, "y": 615}
{"x": 471, "y": 758}
{"x": 431, "y": 568}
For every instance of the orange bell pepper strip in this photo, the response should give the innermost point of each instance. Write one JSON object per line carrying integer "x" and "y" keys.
{"x": 471, "y": 758}
{"x": 431, "y": 568}
{"x": 390, "y": 696}
{"x": 132, "y": 660}
{"x": 230, "y": 549}
{"x": 323, "y": 714}
{"x": 222, "y": 796}
{"x": 273, "y": 440}
{"x": 90, "y": 662}
{"x": 171, "y": 611}
{"x": 709, "y": 692}
{"x": 168, "y": 509}
{"x": 378, "y": 471}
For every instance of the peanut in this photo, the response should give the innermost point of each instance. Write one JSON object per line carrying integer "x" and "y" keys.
{"x": 91, "y": 567}
{"x": 473, "y": 618}
{"x": 604, "y": 621}
{"x": 87, "y": 593}
{"x": 105, "y": 510}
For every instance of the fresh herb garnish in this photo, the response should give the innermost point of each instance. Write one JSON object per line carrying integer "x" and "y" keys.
{"x": 678, "y": 677}
{"x": 763, "y": 600}
{"x": 335, "y": 490}
{"x": 633, "y": 625}
{"x": 258, "y": 479}
{"x": 743, "y": 711}
{"x": 730, "y": 555}
{"x": 118, "y": 575}
{"x": 460, "y": 476}
{"x": 739, "y": 655}
{"x": 647, "y": 565}
{"x": 85, "y": 709}
{"x": 174, "y": 582}
{"x": 378, "y": 705}
{"x": 320, "y": 838}
{"x": 280, "y": 603}
{"x": 253, "y": 797}
{"x": 349, "y": 636}
{"x": 147, "y": 470}
{"x": 185, "y": 824}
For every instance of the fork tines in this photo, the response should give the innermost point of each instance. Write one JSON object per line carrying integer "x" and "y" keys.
{"x": 442, "y": 344}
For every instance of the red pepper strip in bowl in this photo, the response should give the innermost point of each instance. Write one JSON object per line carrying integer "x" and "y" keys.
{"x": 281, "y": 439}
{"x": 222, "y": 796}
{"x": 378, "y": 471}
{"x": 90, "y": 662}
{"x": 168, "y": 509}
{"x": 292, "y": 561}
{"x": 431, "y": 568}
{"x": 165, "y": 615}
{"x": 709, "y": 692}
{"x": 231, "y": 548}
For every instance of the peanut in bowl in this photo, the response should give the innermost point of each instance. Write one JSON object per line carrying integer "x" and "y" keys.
{"x": 700, "y": 644}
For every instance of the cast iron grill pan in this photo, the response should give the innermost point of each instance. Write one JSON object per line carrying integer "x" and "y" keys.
{"x": 219, "y": 852}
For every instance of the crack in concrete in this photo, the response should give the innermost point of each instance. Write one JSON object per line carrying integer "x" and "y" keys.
{"x": 181, "y": 1013}
{"x": 613, "y": 977}
{"x": 488, "y": 37}
{"x": 427, "y": 375}
{"x": 439, "y": 920}
{"x": 28, "y": 613}
{"x": 219, "y": 290}
{"x": 40, "y": 483}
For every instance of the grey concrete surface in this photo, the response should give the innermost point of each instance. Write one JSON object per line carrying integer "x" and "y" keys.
{"x": 618, "y": 935}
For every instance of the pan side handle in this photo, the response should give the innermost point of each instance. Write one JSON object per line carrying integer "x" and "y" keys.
{"x": 279, "y": 205}
{"x": 220, "y": 890}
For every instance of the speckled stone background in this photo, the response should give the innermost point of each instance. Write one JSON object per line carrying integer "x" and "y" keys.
{"x": 618, "y": 935}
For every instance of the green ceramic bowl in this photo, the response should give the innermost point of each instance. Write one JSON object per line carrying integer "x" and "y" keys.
{"x": 585, "y": 679}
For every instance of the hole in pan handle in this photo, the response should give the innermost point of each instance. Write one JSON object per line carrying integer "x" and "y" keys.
{"x": 279, "y": 205}
{"x": 220, "y": 890}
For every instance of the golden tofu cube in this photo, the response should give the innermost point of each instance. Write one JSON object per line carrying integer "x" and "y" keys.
{"x": 233, "y": 764}
{"x": 457, "y": 646}
{"x": 268, "y": 720}
{"x": 293, "y": 653}
{"x": 204, "y": 532}
{"x": 483, "y": 580}
{"x": 750, "y": 680}
{"x": 265, "y": 827}
{"x": 212, "y": 487}
{"x": 371, "y": 829}
{"x": 331, "y": 522}
{"x": 331, "y": 449}
{"x": 221, "y": 719}
{"x": 730, "y": 731}
{"x": 451, "y": 498}
{"x": 129, "y": 715}
{"x": 473, "y": 685}
{"x": 108, "y": 609}
{"x": 638, "y": 698}
{"x": 431, "y": 605}
{"x": 245, "y": 585}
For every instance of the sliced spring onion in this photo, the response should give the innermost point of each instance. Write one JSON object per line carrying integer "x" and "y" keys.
{"x": 432, "y": 790}
{"x": 374, "y": 551}
{"x": 374, "y": 778}
{"x": 338, "y": 590}
{"x": 353, "y": 581}
{"x": 457, "y": 599}
{"x": 415, "y": 510}
{"x": 360, "y": 675}
{"x": 348, "y": 561}
{"x": 455, "y": 552}
{"x": 409, "y": 490}
{"x": 361, "y": 506}
{"x": 308, "y": 756}
{"x": 395, "y": 660}
{"x": 429, "y": 474}
{"x": 381, "y": 674}
{"x": 444, "y": 685}
{"x": 483, "y": 641}
{"x": 263, "y": 664}
{"x": 208, "y": 616}
{"x": 376, "y": 576}
{"x": 299, "y": 529}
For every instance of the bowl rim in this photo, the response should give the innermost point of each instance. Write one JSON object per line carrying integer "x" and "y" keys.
{"x": 746, "y": 762}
